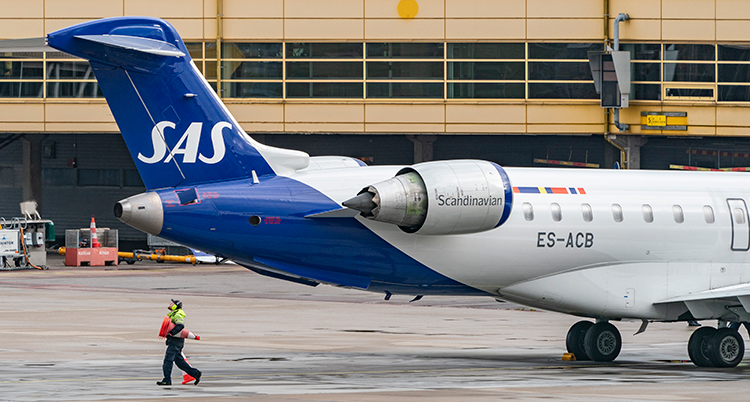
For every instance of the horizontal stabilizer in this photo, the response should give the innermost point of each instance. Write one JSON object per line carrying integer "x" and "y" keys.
{"x": 144, "y": 45}
{"x": 335, "y": 213}
{"x": 25, "y": 45}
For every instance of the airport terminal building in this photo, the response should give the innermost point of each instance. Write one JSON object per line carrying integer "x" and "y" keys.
{"x": 390, "y": 82}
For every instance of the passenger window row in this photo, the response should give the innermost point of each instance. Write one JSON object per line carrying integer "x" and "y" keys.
{"x": 617, "y": 214}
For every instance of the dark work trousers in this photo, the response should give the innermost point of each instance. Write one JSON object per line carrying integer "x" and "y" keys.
{"x": 174, "y": 354}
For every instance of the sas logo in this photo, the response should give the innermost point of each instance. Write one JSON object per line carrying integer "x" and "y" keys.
{"x": 188, "y": 144}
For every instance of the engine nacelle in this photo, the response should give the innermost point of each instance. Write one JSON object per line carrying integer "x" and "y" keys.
{"x": 438, "y": 198}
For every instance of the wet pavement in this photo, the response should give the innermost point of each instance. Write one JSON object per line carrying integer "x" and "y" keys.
{"x": 89, "y": 334}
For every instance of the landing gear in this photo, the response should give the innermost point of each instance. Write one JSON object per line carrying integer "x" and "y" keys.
{"x": 600, "y": 342}
{"x": 603, "y": 342}
{"x": 574, "y": 342}
{"x": 709, "y": 347}
{"x": 698, "y": 346}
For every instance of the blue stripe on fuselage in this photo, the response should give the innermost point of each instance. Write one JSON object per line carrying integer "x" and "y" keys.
{"x": 220, "y": 224}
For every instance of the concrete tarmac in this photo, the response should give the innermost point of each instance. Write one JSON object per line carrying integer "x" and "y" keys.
{"x": 90, "y": 334}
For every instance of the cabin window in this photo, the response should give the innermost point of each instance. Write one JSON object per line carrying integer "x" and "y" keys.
{"x": 528, "y": 212}
{"x": 677, "y": 212}
{"x": 648, "y": 213}
{"x": 556, "y": 212}
{"x": 708, "y": 214}
{"x": 739, "y": 216}
{"x": 617, "y": 212}
{"x": 588, "y": 214}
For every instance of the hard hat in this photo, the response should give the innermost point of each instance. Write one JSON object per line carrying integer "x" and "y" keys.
{"x": 177, "y": 303}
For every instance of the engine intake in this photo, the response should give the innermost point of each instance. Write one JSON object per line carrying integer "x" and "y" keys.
{"x": 435, "y": 198}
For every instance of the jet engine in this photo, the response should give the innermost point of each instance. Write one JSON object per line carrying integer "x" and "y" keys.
{"x": 439, "y": 198}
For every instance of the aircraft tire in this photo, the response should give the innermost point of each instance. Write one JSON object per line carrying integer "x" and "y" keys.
{"x": 726, "y": 348}
{"x": 603, "y": 342}
{"x": 698, "y": 346}
{"x": 575, "y": 338}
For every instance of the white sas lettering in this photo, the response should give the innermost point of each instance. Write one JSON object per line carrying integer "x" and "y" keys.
{"x": 160, "y": 147}
{"x": 217, "y": 140}
{"x": 193, "y": 135}
{"x": 187, "y": 145}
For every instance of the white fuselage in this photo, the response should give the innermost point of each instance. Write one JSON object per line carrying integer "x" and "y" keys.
{"x": 589, "y": 263}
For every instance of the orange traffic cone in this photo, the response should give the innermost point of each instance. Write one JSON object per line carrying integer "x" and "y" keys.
{"x": 94, "y": 239}
{"x": 186, "y": 378}
{"x": 167, "y": 326}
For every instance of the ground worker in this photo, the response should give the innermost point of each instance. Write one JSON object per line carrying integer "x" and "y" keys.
{"x": 175, "y": 345}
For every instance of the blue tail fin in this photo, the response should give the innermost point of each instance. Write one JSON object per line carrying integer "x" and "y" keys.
{"x": 177, "y": 129}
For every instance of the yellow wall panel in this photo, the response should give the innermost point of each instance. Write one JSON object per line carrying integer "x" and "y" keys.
{"x": 701, "y": 9}
{"x": 485, "y": 114}
{"x": 262, "y": 127}
{"x": 635, "y": 9}
{"x": 249, "y": 8}
{"x": 209, "y": 7}
{"x": 695, "y": 130}
{"x": 686, "y": 30}
{"x": 22, "y": 9}
{"x": 51, "y": 25}
{"x": 485, "y": 9}
{"x": 323, "y": 9}
{"x": 696, "y": 116}
{"x": 19, "y": 29}
{"x": 564, "y": 9}
{"x": 81, "y": 127}
{"x": 325, "y": 113}
{"x": 565, "y": 128}
{"x": 165, "y": 8}
{"x": 638, "y": 29}
{"x": 732, "y": 116}
{"x": 188, "y": 28}
{"x": 573, "y": 114}
{"x": 84, "y": 112}
{"x": 311, "y": 29}
{"x": 404, "y": 128}
{"x": 257, "y": 113}
{"x": 389, "y": 9}
{"x": 486, "y": 128}
{"x": 209, "y": 28}
{"x": 471, "y": 29}
{"x": 731, "y": 131}
{"x": 398, "y": 29}
{"x": 22, "y": 112}
{"x": 21, "y": 127}
{"x": 732, "y": 9}
{"x": 565, "y": 29}
{"x": 89, "y": 9}
{"x": 324, "y": 128}
{"x": 255, "y": 29}
{"x": 732, "y": 30}
{"x": 404, "y": 113}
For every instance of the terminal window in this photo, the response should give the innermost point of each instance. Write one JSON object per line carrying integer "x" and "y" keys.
{"x": 530, "y": 71}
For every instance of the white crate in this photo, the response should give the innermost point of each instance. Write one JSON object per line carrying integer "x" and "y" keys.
{"x": 9, "y": 244}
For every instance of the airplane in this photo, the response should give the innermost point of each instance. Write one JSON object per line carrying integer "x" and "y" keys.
{"x": 605, "y": 245}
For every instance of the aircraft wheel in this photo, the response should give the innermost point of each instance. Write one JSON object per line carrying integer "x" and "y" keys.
{"x": 574, "y": 340}
{"x": 698, "y": 346}
{"x": 726, "y": 348}
{"x": 603, "y": 342}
